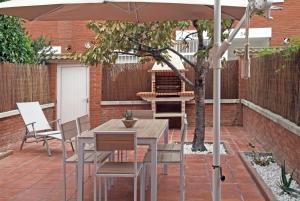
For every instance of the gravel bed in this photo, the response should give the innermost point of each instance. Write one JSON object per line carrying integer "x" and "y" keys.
{"x": 271, "y": 175}
{"x": 209, "y": 147}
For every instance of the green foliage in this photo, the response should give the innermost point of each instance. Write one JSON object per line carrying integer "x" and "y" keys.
{"x": 114, "y": 38}
{"x": 128, "y": 115}
{"x": 293, "y": 47}
{"x": 261, "y": 160}
{"x": 145, "y": 40}
{"x": 42, "y": 49}
{"x": 286, "y": 181}
{"x": 15, "y": 45}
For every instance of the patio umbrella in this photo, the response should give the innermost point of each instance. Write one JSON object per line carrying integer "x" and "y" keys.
{"x": 142, "y": 11}
{"x": 125, "y": 10}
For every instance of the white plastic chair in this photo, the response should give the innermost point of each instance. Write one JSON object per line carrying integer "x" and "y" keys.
{"x": 36, "y": 125}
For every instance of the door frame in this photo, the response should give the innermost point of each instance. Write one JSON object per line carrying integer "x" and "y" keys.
{"x": 58, "y": 86}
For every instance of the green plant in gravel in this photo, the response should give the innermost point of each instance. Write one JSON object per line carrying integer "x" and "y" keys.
{"x": 286, "y": 181}
{"x": 261, "y": 160}
{"x": 128, "y": 115}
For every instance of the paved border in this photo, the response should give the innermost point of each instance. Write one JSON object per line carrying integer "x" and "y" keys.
{"x": 262, "y": 186}
{"x": 16, "y": 112}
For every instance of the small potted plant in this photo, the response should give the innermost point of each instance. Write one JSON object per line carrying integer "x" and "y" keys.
{"x": 128, "y": 120}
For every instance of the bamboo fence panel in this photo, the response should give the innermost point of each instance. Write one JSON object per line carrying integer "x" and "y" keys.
{"x": 23, "y": 83}
{"x": 122, "y": 82}
{"x": 275, "y": 85}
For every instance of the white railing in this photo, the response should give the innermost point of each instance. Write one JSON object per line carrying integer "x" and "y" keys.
{"x": 188, "y": 51}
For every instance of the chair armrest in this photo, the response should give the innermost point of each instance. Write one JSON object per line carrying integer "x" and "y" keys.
{"x": 32, "y": 123}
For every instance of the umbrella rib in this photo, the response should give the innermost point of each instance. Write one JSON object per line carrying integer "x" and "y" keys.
{"x": 136, "y": 13}
{"x": 49, "y": 12}
{"x": 119, "y": 7}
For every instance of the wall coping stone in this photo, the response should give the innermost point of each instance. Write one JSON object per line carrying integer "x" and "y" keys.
{"x": 142, "y": 102}
{"x": 285, "y": 123}
{"x": 16, "y": 112}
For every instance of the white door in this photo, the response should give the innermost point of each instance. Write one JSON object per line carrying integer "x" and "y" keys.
{"x": 72, "y": 92}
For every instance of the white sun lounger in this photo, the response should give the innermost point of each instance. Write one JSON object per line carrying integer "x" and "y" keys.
{"x": 36, "y": 124}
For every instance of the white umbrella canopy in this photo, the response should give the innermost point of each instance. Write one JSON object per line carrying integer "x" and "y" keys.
{"x": 125, "y": 10}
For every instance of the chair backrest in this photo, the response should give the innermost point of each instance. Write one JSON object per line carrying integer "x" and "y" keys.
{"x": 32, "y": 112}
{"x": 84, "y": 123}
{"x": 143, "y": 114}
{"x": 69, "y": 133}
{"x": 116, "y": 140}
{"x": 68, "y": 130}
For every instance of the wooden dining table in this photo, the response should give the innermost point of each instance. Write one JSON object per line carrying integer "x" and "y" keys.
{"x": 149, "y": 132}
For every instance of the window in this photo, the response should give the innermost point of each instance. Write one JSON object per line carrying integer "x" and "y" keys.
{"x": 127, "y": 59}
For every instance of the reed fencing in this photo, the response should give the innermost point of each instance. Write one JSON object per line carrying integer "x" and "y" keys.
{"x": 22, "y": 83}
{"x": 121, "y": 82}
{"x": 275, "y": 85}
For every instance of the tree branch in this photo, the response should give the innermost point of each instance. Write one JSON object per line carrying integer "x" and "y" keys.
{"x": 188, "y": 36}
{"x": 183, "y": 58}
{"x": 133, "y": 54}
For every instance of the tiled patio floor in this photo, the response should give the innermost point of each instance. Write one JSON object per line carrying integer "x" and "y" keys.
{"x": 31, "y": 175}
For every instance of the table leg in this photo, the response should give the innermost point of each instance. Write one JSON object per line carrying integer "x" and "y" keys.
{"x": 80, "y": 171}
{"x": 153, "y": 171}
{"x": 166, "y": 141}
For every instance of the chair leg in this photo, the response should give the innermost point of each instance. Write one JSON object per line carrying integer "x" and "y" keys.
{"x": 142, "y": 184}
{"x": 147, "y": 176}
{"x": 89, "y": 170}
{"x": 182, "y": 182}
{"x": 76, "y": 178}
{"x": 105, "y": 189}
{"x": 23, "y": 141}
{"x": 65, "y": 182}
{"x": 72, "y": 147}
{"x": 135, "y": 189}
{"x": 95, "y": 187}
{"x": 47, "y": 146}
{"x": 100, "y": 189}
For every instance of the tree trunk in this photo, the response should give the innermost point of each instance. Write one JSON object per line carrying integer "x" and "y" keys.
{"x": 199, "y": 91}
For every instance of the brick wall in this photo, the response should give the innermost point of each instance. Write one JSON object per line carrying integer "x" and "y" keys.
{"x": 116, "y": 111}
{"x": 72, "y": 34}
{"x": 12, "y": 128}
{"x": 230, "y": 115}
{"x": 273, "y": 138}
{"x": 285, "y": 23}
{"x": 95, "y": 95}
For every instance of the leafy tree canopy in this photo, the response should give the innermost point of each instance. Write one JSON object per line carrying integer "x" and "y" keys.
{"x": 143, "y": 40}
{"x": 16, "y": 46}
{"x": 154, "y": 41}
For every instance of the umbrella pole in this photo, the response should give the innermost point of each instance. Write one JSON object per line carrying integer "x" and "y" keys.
{"x": 216, "y": 104}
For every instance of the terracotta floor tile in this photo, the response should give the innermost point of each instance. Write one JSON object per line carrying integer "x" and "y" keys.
{"x": 32, "y": 175}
